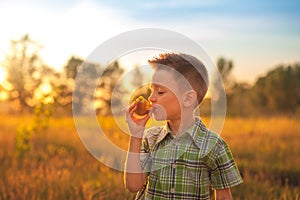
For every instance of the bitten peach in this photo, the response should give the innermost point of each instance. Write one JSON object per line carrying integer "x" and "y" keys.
{"x": 142, "y": 106}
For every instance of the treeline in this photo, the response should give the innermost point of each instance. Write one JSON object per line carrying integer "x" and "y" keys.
{"x": 32, "y": 84}
{"x": 276, "y": 93}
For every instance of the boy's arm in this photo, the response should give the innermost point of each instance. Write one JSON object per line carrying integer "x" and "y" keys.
{"x": 134, "y": 176}
{"x": 223, "y": 194}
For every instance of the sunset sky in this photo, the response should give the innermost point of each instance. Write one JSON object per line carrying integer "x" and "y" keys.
{"x": 257, "y": 35}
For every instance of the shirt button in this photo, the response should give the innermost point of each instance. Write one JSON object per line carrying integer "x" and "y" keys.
{"x": 173, "y": 165}
{"x": 172, "y": 190}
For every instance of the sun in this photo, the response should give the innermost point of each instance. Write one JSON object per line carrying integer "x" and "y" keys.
{"x": 46, "y": 88}
{"x": 2, "y": 75}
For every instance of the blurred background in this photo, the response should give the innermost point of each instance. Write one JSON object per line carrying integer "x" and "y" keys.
{"x": 254, "y": 45}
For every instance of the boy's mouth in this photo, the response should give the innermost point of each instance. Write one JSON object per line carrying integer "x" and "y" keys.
{"x": 155, "y": 108}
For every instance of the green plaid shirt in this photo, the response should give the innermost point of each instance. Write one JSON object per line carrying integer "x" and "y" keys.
{"x": 186, "y": 166}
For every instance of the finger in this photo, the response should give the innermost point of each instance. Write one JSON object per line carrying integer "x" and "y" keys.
{"x": 132, "y": 110}
{"x": 125, "y": 110}
{"x": 129, "y": 108}
{"x": 132, "y": 106}
{"x": 127, "y": 115}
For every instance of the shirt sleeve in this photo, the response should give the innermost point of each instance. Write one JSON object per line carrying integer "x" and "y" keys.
{"x": 145, "y": 156}
{"x": 225, "y": 173}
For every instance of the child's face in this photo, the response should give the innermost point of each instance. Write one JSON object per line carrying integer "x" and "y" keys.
{"x": 165, "y": 96}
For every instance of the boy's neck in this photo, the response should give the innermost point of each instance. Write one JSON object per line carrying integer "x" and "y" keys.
{"x": 180, "y": 125}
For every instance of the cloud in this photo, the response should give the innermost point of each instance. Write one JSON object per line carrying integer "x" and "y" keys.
{"x": 85, "y": 26}
{"x": 76, "y": 31}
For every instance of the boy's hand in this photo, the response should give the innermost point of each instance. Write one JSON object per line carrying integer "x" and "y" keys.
{"x": 136, "y": 125}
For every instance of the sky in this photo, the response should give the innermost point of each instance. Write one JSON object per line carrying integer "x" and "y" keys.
{"x": 256, "y": 35}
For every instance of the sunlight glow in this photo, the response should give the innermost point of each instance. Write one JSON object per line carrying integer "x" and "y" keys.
{"x": 46, "y": 89}
{"x": 43, "y": 93}
{"x": 3, "y": 96}
{"x": 2, "y": 75}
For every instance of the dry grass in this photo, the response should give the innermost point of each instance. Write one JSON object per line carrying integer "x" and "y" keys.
{"x": 267, "y": 152}
{"x": 59, "y": 167}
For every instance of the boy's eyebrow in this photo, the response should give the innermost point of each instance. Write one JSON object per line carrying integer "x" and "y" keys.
{"x": 154, "y": 85}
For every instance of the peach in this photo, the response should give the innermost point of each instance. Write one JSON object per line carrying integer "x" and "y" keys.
{"x": 142, "y": 106}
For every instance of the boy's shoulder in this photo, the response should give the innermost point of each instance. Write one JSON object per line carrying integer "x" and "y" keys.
{"x": 207, "y": 141}
{"x": 202, "y": 135}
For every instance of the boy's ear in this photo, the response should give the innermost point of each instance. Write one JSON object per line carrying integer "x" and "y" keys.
{"x": 189, "y": 98}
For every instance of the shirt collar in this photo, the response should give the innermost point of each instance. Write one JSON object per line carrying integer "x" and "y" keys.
{"x": 164, "y": 132}
{"x": 196, "y": 131}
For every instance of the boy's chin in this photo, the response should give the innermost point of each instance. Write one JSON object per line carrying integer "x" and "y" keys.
{"x": 159, "y": 113}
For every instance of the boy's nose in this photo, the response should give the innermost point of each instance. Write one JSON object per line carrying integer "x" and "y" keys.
{"x": 151, "y": 98}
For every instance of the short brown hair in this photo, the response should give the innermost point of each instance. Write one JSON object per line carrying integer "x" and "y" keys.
{"x": 192, "y": 69}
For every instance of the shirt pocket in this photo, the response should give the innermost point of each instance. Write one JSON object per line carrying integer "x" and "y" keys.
{"x": 192, "y": 168}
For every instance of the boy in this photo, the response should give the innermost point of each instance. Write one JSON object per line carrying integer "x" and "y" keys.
{"x": 182, "y": 159}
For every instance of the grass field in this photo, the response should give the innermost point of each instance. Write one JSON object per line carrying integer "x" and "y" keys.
{"x": 57, "y": 166}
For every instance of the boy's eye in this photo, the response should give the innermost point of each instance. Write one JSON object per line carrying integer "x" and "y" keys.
{"x": 157, "y": 90}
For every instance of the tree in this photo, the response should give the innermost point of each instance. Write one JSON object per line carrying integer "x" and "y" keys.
{"x": 107, "y": 85}
{"x": 72, "y": 66}
{"x": 225, "y": 67}
{"x": 239, "y": 101}
{"x": 220, "y": 83}
{"x": 137, "y": 83}
{"x": 24, "y": 70}
{"x": 279, "y": 90}
{"x": 64, "y": 88}
{"x": 86, "y": 74}
{"x": 86, "y": 81}
{"x": 137, "y": 77}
